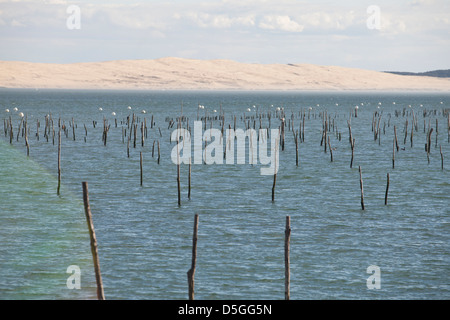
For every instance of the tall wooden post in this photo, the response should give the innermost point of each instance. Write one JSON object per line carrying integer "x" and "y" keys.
{"x": 94, "y": 247}
{"x": 191, "y": 272}
{"x": 287, "y": 275}
{"x": 362, "y": 188}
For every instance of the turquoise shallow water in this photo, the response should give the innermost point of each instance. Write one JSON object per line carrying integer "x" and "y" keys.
{"x": 145, "y": 238}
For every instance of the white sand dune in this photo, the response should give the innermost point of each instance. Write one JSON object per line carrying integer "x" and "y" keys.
{"x": 188, "y": 74}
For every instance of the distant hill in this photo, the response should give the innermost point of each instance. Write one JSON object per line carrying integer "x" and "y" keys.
{"x": 190, "y": 74}
{"x": 434, "y": 73}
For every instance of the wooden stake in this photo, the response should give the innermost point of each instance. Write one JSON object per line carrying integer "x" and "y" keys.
{"x": 329, "y": 147}
{"x": 395, "y": 135}
{"x": 94, "y": 247}
{"x": 353, "y": 149}
{"x": 275, "y": 173}
{"x": 287, "y": 275}
{"x": 191, "y": 272}
{"x": 442, "y": 158}
{"x": 393, "y": 154}
{"x": 362, "y": 188}
{"x": 59, "y": 161}
{"x": 387, "y": 190}
{"x": 141, "y": 169}
{"x": 159, "y": 153}
{"x": 189, "y": 180}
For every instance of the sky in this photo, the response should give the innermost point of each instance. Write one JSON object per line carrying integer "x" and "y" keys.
{"x": 377, "y": 35}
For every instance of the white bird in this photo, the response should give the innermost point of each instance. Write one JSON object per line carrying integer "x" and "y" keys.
{"x": 129, "y": 108}
{"x": 310, "y": 108}
{"x": 393, "y": 102}
{"x": 215, "y": 110}
{"x": 278, "y": 109}
{"x": 15, "y": 109}
{"x": 101, "y": 109}
{"x": 7, "y": 110}
{"x": 143, "y": 111}
{"x": 356, "y": 107}
{"x": 248, "y": 109}
{"x": 21, "y": 114}
{"x": 113, "y": 113}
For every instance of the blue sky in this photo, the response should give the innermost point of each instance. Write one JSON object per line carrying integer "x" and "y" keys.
{"x": 411, "y": 35}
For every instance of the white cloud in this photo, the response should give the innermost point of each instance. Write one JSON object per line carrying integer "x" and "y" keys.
{"x": 207, "y": 20}
{"x": 284, "y": 23}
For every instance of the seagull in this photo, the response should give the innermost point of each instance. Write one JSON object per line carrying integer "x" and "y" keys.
{"x": 7, "y": 110}
{"x": 15, "y": 109}
{"x": 101, "y": 109}
{"x": 129, "y": 108}
{"x": 21, "y": 114}
{"x": 143, "y": 111}
{"x": 113, "y": 113}
{"x": 248, "y": 109}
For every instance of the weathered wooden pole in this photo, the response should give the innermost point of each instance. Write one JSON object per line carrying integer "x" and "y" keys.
{"x": 287, "y": 274}
{"x": 141, "y": 166}
{"x": 387, "y": 190}
{"x": 353, "y": 151}
{"x": 191, "y": 272}
{"x": 94, "y": 247}
{"x": 159, "y": 152}
{"x": 189, "y": 180}
{"x": 442, "y": 158}
{"x": 329, "y": 147}
{"x": 395, "y": 135}
{"x": 59, "y": 161}
{"x": 178, "y": 183}
{"x": 362, "y": 188}
{"x": 436, "y": 133}
{"x": 296, "y": 149}
{"x": 275, "y": 173}
{"x": 393, "y": 153}
{"x": 429, "y": 144}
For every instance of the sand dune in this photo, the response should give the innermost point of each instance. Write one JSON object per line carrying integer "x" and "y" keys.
{"x": 177, "y": 73}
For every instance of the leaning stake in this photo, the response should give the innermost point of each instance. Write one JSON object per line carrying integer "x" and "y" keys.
{"x": 94, "y": 249}
{"x": 59, "y": 162}
{"x": 191, "y": 272}
{"x": 362, "y": 188}
{"x": 287, "y": 275}
{"x": 387, "y": 190}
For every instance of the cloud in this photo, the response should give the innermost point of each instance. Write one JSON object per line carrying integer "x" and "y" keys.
{"x": 283, "y": 23}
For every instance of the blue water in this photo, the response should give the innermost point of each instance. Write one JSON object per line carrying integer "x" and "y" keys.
{"x": 145, "y": 238}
